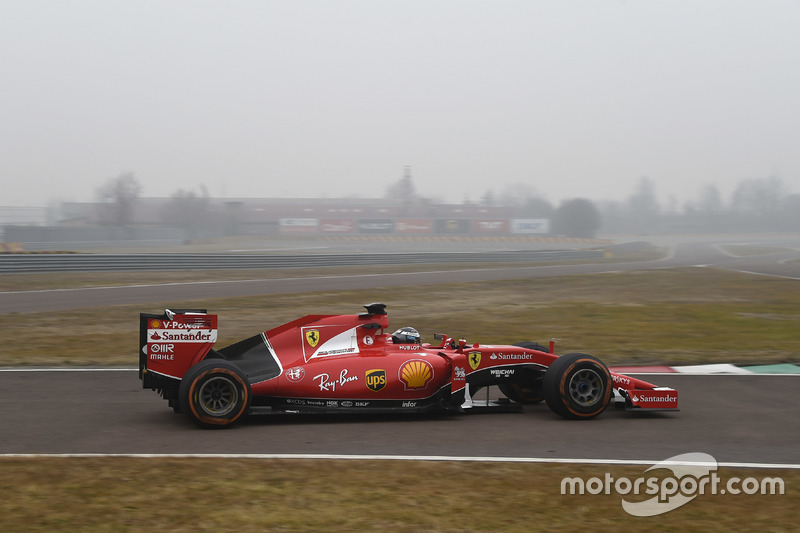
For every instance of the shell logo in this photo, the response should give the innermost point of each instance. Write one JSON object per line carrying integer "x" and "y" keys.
{"x": 416, "y": 374}
{"x": 155, "y": 324}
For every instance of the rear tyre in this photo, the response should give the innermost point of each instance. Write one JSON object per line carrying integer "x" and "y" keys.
{"x": 215, "y": 393}
{"x": 577, "y": 386}
{"x": 525, "y": 393}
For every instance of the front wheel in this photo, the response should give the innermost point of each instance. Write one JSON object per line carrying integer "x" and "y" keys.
{"x": 577, "y": 386}
{"x": 215, "y": 393}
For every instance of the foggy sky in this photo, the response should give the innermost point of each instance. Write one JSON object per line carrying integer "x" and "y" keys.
{"x": 334, "y": 98}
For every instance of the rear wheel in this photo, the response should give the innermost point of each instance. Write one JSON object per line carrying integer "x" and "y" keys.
{"x": 215, "y": 393}
{"x": 577, "y": 386}
{"x": 525, "y": 393}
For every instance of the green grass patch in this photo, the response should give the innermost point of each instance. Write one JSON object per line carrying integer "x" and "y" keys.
{"x": 670, "y": 316}
{"x": 132, "y": 494}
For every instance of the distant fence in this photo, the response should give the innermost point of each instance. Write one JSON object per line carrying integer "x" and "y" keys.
{"x": 21, "y": 263}
{"x": 65, "y": 237}
{"x": 414, "y": 226}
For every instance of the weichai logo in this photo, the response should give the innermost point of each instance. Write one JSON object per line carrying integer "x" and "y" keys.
{"x": 375, "y": 379}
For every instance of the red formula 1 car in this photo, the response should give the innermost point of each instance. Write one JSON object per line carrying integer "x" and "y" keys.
{"x": 349, "y": 363}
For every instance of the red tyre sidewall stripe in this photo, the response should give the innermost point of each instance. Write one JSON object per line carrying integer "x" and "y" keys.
{"x": 563, "y": 382}
{"x": 211, "y": 420}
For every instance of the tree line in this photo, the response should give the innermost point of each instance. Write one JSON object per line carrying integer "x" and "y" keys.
{"x": 757, "y": 204}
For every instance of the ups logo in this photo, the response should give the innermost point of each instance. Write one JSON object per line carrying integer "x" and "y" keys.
{"x": 376, "y": 379}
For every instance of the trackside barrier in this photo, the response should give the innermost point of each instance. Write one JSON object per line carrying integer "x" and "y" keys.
{"x": 22, "y": 263}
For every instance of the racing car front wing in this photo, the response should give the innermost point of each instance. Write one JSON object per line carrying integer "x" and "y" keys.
{"x": 655, "y": 399}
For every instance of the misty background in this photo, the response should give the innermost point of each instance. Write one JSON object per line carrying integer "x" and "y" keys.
{"x": 682, "y": 107}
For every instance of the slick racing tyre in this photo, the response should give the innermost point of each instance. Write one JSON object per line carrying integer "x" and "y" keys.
{"x": 524, "y": 393}
{"x": 215, "y": 393}
{"x": 577, "y": 386}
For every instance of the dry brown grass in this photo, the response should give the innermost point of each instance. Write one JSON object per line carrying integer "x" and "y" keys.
{"x": 686, "y": 316}
{"x": 136, "y": 494}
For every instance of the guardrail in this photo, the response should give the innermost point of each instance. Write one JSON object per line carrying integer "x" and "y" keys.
{"x": 23, "y": 263}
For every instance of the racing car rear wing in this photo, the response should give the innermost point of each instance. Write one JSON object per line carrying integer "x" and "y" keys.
{"x": 171, "y": 342}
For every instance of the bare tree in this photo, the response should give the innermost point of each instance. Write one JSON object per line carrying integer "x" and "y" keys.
{"x": 117, "y": 198}
{"x": 190, "y": 211}
{"x": 643, "y": 206}
{"x": 517, "y": 194}
{"x": 710, "y": 199}
{"x": 523, "y": 200}
{"x": 760, "y": 196}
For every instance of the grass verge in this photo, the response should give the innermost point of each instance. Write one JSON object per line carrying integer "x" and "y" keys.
{"x": 677, "y": 316}
{"x": 132, "y": 494}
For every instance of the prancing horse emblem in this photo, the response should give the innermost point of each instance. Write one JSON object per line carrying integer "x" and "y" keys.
{"x": 312, "y": 337}
{"x": 474, "y": 360}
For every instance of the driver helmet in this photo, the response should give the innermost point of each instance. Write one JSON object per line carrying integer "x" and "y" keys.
{"x": 406, "y": 335}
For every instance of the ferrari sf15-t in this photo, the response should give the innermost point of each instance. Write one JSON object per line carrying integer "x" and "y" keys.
{"x": 351, "y": 363}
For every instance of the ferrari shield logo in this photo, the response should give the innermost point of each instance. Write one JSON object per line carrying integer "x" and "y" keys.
{"x": 312, "y": 337}
{"x": 474, "y": 360}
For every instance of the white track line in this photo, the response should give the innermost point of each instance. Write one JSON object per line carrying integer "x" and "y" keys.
{"x": 335, "y": 457}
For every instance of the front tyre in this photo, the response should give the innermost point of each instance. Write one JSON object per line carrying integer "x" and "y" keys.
{"x": 577, "y": 386}
{"x": 215, "y": 393}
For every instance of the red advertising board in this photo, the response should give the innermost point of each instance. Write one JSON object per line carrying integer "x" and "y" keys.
{"x": 337, "y": 225}
{"x": 494, "y": 226}
{"x": 413, "y": 226}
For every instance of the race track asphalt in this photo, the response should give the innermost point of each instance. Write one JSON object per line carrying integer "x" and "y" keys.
{"x": 734, "y": 418}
